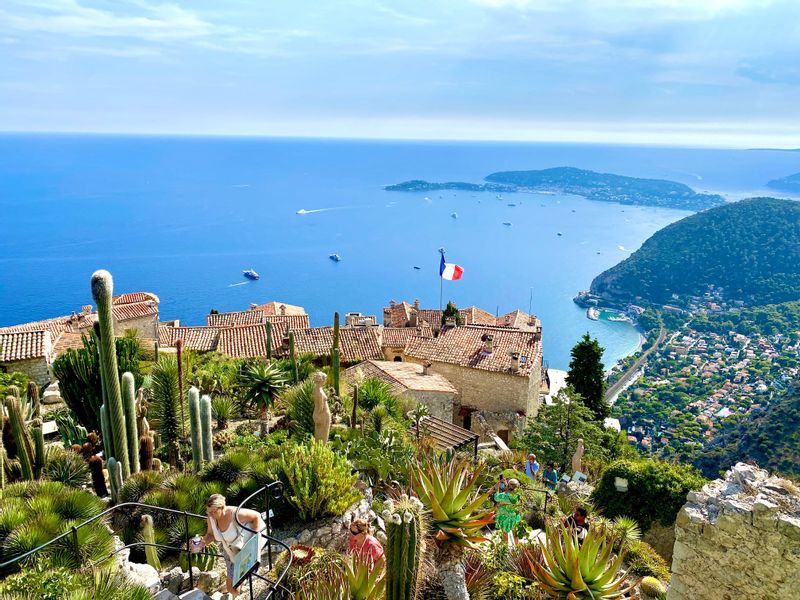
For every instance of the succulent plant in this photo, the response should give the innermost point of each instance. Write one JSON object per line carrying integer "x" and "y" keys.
{"x": 206, "y": 434}
{"x": 149, "y": 538}
{"x": 38, "y": 447}
{"x": 302, "y": 555}
{"x": 146, "y": 449}
{"x": 405, "y": 546}
{"x": 573, "y": 570}
{"x": 652, "y": 587}
{"x": 194, "y": 428}
{"x": 98, "y": 478}
{"x": 626, "y": 530}
{"x": 22, "y": 437}
{"x": 129, "y": 407}
{"x": 350, "y": 579}
{"x": 452, "y": 495}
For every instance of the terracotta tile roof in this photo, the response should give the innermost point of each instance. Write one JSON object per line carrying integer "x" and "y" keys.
{"x": 248, "y": 341}
{"x": 24, "y": 345}
{"x": 402, "y": 376}
{"x": 463, "y": 346}
{"x": 397, "y": 337}
{"x": 446, "y": 435}
{"x": 68, "y": 340}
{"x": 519, "y": 320}
{"x": 201, "y": 339}
{"x": 135, "y": 310}
{"x": 472, "y": 315}
{"x": 398, "y": 315}
{"x": 356, "y": 343}
{"x": 229, "y": 319}
{"x": 274, "y": 308}
{"x": 293, "y": 322}
{"x": 54, "y": 326}
{"x": 134, "y": 297}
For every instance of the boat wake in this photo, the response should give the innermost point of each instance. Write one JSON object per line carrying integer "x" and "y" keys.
{"x": 304, "y": 211}
{"x": 237, "y": 284}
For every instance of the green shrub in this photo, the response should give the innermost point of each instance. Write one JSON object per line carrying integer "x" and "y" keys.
{"x": 643, "y": 560}
{"x": 656, "y": 491}
{"x": 42, "y": 582}
{"x": 66, "y": 466}
{"x": 298, "y": 402}
{"x": 319, "y": 482}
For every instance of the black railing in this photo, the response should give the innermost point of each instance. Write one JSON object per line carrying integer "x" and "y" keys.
{"x": 275, "y": 589}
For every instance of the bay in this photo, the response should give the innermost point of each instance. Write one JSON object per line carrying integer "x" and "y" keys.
{"x": 182, "y": 216}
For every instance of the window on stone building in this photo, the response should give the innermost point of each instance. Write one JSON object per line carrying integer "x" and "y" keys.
{"x": 503, "y": 435}
{"x": 398, "y": 359}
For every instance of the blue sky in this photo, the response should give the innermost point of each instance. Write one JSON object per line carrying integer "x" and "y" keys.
{"x": 698, "y": 72}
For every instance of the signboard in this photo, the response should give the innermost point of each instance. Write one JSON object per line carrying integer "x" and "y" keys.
{"x": 246, "y": 561}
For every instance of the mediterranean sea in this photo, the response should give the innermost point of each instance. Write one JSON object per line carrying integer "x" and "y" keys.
{"x": 183, "y": 216}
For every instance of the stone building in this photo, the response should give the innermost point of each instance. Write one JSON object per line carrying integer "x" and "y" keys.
{"x": 412, "y": 380}
{"x": 497, "y": 372}
{"x": 27, "y": 352}
{"x": 738, "y": 538}
{"x": 403, "y": 314}
{"x": 394, "y": 339}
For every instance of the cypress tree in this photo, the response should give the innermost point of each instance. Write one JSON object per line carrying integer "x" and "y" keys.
{"x": 586, "y": 376}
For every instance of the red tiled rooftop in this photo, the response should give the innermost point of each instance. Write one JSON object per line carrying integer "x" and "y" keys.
{"x": 397, "y": 337}
{"x": 356, "y": 344}
{"x": 134, "y": 297}
{"x": 24, "y": 345}
{"x": 68, "y": 340}
{"x": 293, "y": 322}
{"x": 463, "y": 346}
{"x": 229, "y": 319}
{"x": 278, "y": 308}
{"x": 249, "y": 341}
{"x": 201, "y": 339}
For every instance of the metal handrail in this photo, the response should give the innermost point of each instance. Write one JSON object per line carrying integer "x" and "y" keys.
{"x": 73, "y": 531}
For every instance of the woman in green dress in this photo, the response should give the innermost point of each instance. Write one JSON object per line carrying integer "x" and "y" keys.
{"x": 507, "y": 517}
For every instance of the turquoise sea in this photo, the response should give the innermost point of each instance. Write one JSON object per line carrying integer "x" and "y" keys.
{"x": 183, "y": 216}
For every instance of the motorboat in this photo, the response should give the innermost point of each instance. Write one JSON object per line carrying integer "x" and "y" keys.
{"x": 335, "y": 257}
{"x": 251, "y": 274}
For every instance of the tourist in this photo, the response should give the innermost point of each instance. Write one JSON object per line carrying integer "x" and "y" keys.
{"x": 500, "y": 486}
{"x": 532, "y": 468}
{"x": 223, "y": 528}
{"x": 578, "y": 522}
{"x": 507, "y": 517}
{"x": 363, "y": 544}
{"x": 550, "y": 476}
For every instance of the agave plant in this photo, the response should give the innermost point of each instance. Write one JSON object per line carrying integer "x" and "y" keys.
{"x": 574, "y": 570}
{"x": 449, "y": 490}
{"x": 350, "y": 579}
{"x": 261, "y": 383}
{"x": 626, "y": 530}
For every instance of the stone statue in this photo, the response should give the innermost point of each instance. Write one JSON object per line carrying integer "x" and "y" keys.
{"x": 576, "y": 458}
{"x": 322, "y": 412}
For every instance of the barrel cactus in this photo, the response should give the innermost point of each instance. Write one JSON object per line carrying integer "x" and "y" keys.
{"x": 653, "y": 588}
{"x": 405, "y": 546}
{"x": 102, "y": 292}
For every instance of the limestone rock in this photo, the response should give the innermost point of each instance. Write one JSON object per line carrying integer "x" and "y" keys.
{"x": 165, "y": 595}
{"x": 209, "y": 581}
{"x": 143, "y": 574}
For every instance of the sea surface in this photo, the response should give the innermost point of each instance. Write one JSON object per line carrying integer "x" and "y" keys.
{"x": 183, "y": 216}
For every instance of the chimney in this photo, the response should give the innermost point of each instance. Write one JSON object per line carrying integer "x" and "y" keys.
{"x": 515, "y": 361}
{"x": 426, "y": 369}
{"x": 392, "y": 303}
{"x": 449, "y": 321}
{"x": 488, "y": 343}
{"x": 282, "y": 309}
{"x": 413, "y": 317}
{"x": 86, "y": 309}
{"x": 416, "y": 303}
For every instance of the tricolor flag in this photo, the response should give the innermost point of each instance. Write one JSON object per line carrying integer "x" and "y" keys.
{"x": 450, "y": 271}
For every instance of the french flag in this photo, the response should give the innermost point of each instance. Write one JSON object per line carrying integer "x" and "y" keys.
{"x": 450, "y": 271}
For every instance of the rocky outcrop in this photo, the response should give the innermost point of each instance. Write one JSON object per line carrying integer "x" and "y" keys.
{"x": 738, "y": 538}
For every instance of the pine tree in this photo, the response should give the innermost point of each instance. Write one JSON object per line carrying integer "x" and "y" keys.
{"x": 586, "y": 376}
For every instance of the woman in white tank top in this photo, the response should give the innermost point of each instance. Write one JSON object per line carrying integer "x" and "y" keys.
{"x": 223, "y": 528}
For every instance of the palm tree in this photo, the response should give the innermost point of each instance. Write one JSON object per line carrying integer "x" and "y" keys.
{"x": 262, "y": 382}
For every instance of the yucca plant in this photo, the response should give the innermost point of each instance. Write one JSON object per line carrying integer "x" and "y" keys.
{"x": 574, "y": 570}
{"x": 66, "y": 466}
{"x": 448, "y": 488}
{"x": 223, "y": 408}
{"x": 626, "y": 530}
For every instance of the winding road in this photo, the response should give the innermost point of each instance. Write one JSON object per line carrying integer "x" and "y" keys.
{"x": 614, "y": 390}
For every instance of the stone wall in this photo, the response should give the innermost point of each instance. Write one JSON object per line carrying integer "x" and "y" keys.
{"x": 440, "y": 404}
{"x": 738, "y": 538}
{"x": 146, "y": 327}
{"x": 36, "y": 369}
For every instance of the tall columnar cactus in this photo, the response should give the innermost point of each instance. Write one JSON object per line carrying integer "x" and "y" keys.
{"x": 105, "y": 431}
{"x": 98, "y": 479}
{"x": 38, "y": 447}
{"x": 114, "y": 478}
{"x": 179, "y": 357}
{"x": 2, "y": 454}
{"x": 146, "y": 450}
{"x": 33, "y": 399}
{"x": 293, "y": 358}
{"x": 131, "y": 433}
{"x": 405, "y": 546}
{"x": 335, "y": 354}
{"x": 149, "y": 538}
{"x": 21, "y": 437}
{"x": 206, "y": 437}
{"x": 102, "y": 291}
{"x": 268, "y": 329}
{"x": 195, "y": 427}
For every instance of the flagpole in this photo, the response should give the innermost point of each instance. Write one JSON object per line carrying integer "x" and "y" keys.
{"x": 441, "y": 279}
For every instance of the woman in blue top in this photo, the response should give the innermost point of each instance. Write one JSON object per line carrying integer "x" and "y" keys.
{"x": 550, "y": 477}
{"x": 532, "y": 467}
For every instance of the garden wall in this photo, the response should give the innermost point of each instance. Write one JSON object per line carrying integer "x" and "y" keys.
{"x": 738, "y": 538}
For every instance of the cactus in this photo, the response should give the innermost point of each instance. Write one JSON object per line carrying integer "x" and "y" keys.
{"x": 33, "y": 399}
{"x": 155, "y": 351}
{"x": 405, "y": 546}
{"x": 132, "y": 435}
{"x": 102, "y": 291}
{"x": 293, "y": 358}
{"x": 146, "y": 449}
{"x": 105, "y": 431}
{"x": 268, "y": 328}
{"x": 653, "y": 587}
{"x": 179, "y": 358}
{"x": 149, "y": 538}
{"x": 98, "y": 478}
{"x": 157, "y": 464}
{"x": 21, "y": 437}
{"x": 114, "y": 478}
{"x": 195, "y": 427}
{"x": 206, "y": 437}
{"x": 2, "y": 455}
{"x": 13, "y": 391}
{"x": 38, "y": 447}
{"x": 353, "y": 417}
{"x": 204, "y": 561}
{"x": 335, "y": 354}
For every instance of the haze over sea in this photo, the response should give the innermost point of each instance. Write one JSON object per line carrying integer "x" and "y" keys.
{"x": 182, "y": 217}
